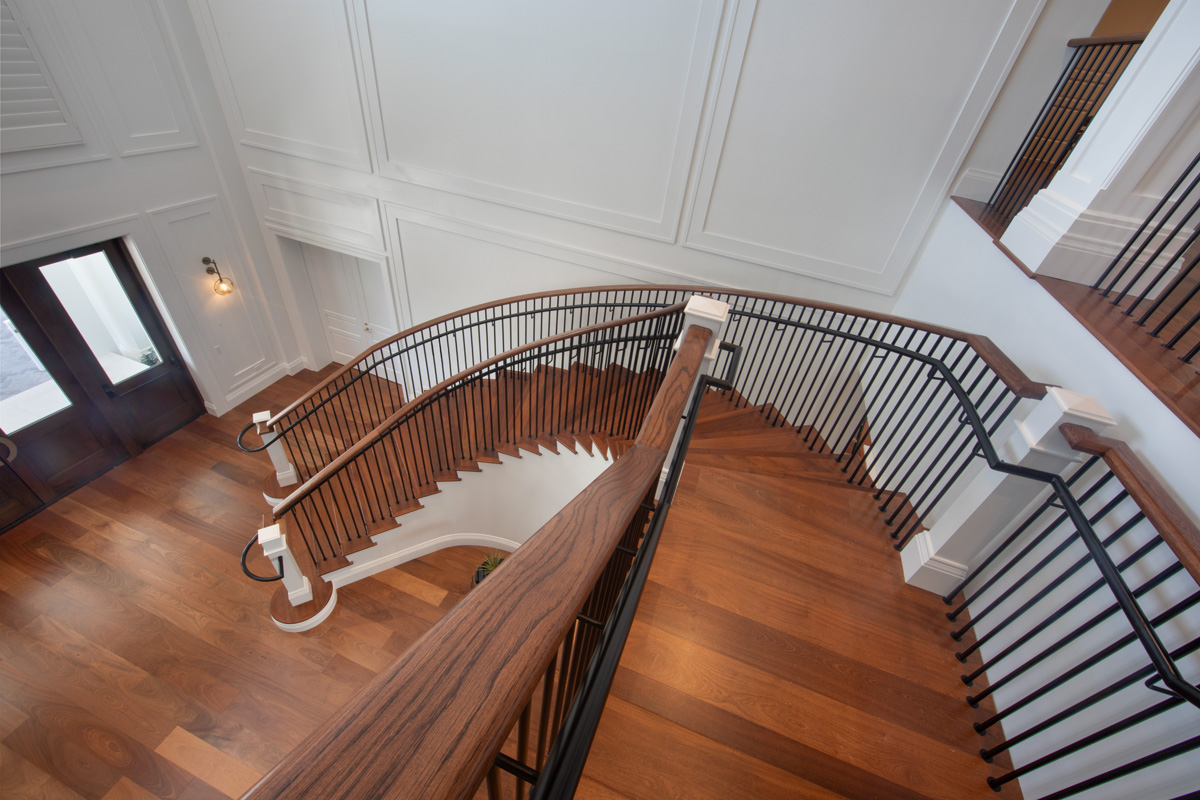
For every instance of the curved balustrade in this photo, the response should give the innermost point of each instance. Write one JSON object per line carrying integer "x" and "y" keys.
{"x": 850, "y": 381}
{"x": 330, "y": 418}
{"x": 593, "y": 382}
{"x": 906, "y": 408}
{"x": 320, "y": 426}
{"x": 457, "y": 692}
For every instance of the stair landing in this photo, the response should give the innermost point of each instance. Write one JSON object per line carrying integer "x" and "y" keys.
{"x": 777, "y": 651}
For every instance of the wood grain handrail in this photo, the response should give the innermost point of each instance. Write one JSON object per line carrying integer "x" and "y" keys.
{"x": 407, "y": 332}
{"x": 1119, "y": 38}
{"x": 1172, "y": 524}
{"x": 1011, "y": 375}
{"x": 662, "y": 420}
{"x": 417, "y": 402}
{"x": 429, "y": 725}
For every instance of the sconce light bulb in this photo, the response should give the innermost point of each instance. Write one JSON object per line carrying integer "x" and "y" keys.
{"x": 222, "y": 285}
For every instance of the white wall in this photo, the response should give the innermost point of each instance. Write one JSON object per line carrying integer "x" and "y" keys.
{"x": 1032, "y": 78}
{"x": 147, "y": 163}
{"x": 479, "y": 150}
{"x": 798, "y": 148}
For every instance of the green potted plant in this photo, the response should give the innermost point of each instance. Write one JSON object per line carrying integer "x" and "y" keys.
{"x": 493, "y": 560}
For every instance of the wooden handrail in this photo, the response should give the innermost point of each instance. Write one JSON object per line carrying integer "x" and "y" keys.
{"x": 1012, "y": 376}
{"x": 1172, "y": 524}
{"x": 439, "y": 320}
{"x": 1119, "y": 38}
{"x": 382, "y": 428}
{"x": 429, "y": 725}
{"x": 662, "y": 420}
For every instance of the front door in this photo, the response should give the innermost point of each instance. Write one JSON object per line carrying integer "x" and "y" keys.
{"x": 88, "y": 376}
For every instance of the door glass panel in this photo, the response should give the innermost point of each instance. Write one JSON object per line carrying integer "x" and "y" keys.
{"x": 90, "y": 292}
{"x": 27, "y": 392}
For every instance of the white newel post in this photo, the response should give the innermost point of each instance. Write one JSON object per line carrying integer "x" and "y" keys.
{"x": 274, "y": 544}
{"x": 285, "y": 473}
{"x": 707, "y": 313}
{"x": 939, "y": 558}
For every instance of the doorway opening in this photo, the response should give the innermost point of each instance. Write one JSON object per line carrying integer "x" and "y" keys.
{"x": 88, "y": 374}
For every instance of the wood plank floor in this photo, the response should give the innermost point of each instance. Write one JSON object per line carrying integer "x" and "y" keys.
{"x": 777, "y": 652}
{"x": 136, "y": 661}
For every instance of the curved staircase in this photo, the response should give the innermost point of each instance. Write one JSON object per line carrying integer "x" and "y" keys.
{"x": 721, "y": 680}
{"x": 444, "y": 439}
{"x": 826, "y": 417}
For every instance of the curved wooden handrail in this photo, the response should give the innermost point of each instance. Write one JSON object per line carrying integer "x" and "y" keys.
{"x": 382, "y": 428}
{"x": 1172, "y": 524}
{"x": 1008, "y": 372}
{"x": 429, "y": 725}
{"x": 434, "y": 322}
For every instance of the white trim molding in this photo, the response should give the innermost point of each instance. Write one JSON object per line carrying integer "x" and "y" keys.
{"x": 923, "y": 204}
{"x": 660, "y": 225}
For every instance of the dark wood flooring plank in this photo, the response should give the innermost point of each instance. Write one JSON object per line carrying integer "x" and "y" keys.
{"x": 648, "y": 758}
{"x": 736, "y": 732}
{"x": 53, "y": 754}
{"x": 806, "y": 662}
{"x": 21, "y": 780}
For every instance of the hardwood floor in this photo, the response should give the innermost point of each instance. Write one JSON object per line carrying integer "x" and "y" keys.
{"x": 137, "y": 661}
{"x": 777, "y": 651}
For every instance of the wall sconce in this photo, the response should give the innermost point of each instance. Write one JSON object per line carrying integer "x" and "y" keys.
{"x": 222, "y": 285}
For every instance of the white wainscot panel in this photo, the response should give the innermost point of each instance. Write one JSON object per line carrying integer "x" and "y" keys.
{"x": 445, "y": 271}
{"x": 837, "y": 128}
{"x": 235, "y": 341}
{"x": 287, "y": 70}
{"x": 584, "y": 111}
{"x": 323, "y": 215}
{"x": 131, "y": 73}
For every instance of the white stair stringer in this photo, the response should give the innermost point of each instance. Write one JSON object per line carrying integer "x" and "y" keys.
{"x": 499, "y": 507}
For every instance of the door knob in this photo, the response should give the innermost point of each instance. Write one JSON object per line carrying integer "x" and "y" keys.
{"x": 11, "y": 446}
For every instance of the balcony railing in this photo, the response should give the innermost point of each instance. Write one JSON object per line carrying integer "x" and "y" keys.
{"x": 1155, "y": 274}
{"x": 1089, "y": 76}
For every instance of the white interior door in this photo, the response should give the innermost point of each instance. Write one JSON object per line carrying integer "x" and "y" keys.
{"x": 354, "y": 299}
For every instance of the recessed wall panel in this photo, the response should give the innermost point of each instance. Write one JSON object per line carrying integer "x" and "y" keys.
{"x": 290, "y": 77}
{"x": 587, "y": 111}
{"x": 837, "y": 127}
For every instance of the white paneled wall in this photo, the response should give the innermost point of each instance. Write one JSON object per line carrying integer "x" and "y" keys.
{"x": 146, "y": 165}
{"x": 478, "y": 149}
{"x": 585, "y": 111}
{"x": 836, "y": 128}
{"x": 793, "y": 147}
{"x": 289, "y": 77}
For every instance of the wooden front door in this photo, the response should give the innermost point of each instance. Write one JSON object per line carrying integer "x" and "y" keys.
{"x": 89, "y": 375}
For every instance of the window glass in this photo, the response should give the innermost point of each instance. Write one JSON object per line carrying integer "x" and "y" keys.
{"x": 90, "y": 292}
{"x": 27, "y": 392}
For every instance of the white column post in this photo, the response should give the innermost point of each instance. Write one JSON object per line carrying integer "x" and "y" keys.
{"x": 274, "y": 544}
{"x": 1141, "y": 138}
{"x": 285, "y": 473}
{"x": 707, "y": 313}
{"x": 939, "y": 558}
